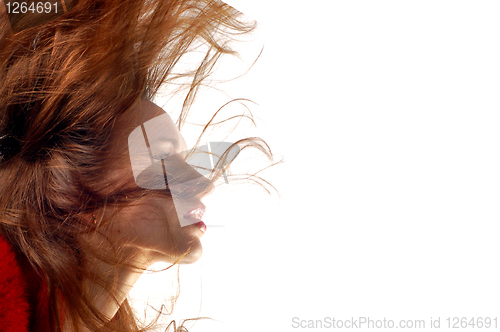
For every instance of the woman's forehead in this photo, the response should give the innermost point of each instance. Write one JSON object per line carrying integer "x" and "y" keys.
{"x": 146, "y": 110}
{"x": 141, "y": 113}
{"x": 146, "y": 114}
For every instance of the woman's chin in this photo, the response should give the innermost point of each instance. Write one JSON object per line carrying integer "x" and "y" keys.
{"x": 191, "y": 238}
{"x": 190, "y": 252}
{"x": 193, "y": 255}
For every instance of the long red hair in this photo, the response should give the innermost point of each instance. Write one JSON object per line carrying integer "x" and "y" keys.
{"x": 64, "y": 83}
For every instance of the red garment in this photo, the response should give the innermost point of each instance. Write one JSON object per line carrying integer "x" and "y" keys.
{"x": 14, "y": 305}
{"x": 18, "y": 310}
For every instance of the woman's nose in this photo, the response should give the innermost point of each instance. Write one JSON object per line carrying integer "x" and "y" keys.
{"x": 207, "y": 185}
{"x": 185, "y": 181}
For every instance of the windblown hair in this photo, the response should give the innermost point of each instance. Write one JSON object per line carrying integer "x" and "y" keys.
{"x": 63, "y": 85}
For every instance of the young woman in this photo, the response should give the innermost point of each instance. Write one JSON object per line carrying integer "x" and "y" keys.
{"x": 80, "y": 218}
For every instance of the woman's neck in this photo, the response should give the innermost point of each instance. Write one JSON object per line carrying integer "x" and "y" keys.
{"x": 120, "y": 278}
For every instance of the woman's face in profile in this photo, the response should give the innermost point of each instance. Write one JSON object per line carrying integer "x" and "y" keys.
{"x": 158, "y": 227}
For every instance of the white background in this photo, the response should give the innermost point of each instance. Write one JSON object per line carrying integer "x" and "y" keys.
{"x": 387, "y": 115}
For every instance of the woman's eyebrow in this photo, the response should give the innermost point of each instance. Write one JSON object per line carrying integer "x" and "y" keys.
{"x": 174, "y": 142}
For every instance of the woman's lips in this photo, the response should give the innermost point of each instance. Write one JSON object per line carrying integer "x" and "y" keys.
{"x": 195, "y": 215}
{"x": 202, "y": 226}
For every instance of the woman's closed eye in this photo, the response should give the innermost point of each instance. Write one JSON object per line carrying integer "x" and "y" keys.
{"x": 161, "y": 155}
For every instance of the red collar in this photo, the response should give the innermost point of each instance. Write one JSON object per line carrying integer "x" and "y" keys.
{"x": 14, "y": 304}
